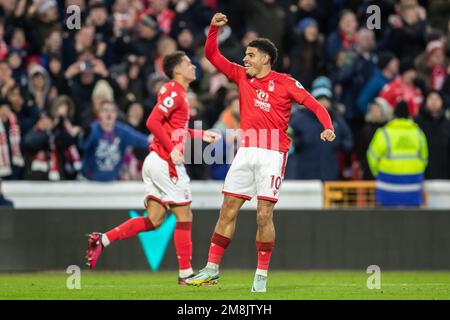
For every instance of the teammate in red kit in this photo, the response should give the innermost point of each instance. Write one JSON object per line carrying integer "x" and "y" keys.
{"x": 163, "y": 172}
{"x": 265, "y": 98}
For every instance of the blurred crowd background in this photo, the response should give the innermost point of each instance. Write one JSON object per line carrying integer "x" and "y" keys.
{"x": 73, "y": 103}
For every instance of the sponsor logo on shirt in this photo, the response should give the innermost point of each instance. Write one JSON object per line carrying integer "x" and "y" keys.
{"x": 261, "y": 102}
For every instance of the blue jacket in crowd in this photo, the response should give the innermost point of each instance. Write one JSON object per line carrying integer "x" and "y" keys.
{"x": 103, "y": 152}
{"x": 371, "y": 90}
{"x": 314, "y": 158}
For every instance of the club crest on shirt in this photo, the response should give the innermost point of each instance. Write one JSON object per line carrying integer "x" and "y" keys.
{"x": 271, "y": 86}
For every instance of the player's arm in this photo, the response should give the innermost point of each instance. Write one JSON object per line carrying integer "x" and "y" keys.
{"x": 303, "y": 97}
{"x": 212, "y": 53}
{"x": 207, "y": 136}
{"x": 162, "y": 109}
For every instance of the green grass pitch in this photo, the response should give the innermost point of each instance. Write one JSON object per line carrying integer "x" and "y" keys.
{"x": 234, "y": 284}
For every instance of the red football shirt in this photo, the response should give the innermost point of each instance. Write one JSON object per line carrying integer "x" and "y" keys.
{"x": 171, "y": 112}
{"x": 168, "y": 122}
{"x": 265, "y": 104}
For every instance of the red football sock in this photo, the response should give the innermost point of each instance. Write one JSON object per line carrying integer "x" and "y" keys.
{"x": 264, "y": 253}
{"x": 183, "y": 244}
{"x": 130, "y": 228}
{"x": 218, "y": 245}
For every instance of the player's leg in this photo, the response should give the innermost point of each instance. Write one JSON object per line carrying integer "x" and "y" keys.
{"x": 130, "y": 228}
{"x": 224, "y": 230}
{"x": 221, "y": 238}
{"x": 239, "y": 186}
{"x": 270, "y": 173}
{"x": 182, "y": 240}
{"x": 265, "y": 239}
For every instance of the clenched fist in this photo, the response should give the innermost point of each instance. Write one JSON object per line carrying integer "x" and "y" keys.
{"x": 327, "y": 135}
{"x": 219, "y": 20}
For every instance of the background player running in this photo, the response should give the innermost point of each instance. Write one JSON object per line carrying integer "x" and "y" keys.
{"x": 165, "y": 178}
{"x": 258, "y": 169}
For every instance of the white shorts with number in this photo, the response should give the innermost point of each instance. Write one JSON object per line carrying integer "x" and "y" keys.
{"x": 256, "y": 171}
{"x": 160, "y": 187}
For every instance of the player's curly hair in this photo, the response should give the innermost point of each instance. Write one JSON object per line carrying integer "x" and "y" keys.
{"x": 171, "y": 61}
{"x": 266, "y": 46}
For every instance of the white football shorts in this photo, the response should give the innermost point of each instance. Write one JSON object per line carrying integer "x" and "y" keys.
{"x": 256, "y": 171}
{"x": 159, "y": 186}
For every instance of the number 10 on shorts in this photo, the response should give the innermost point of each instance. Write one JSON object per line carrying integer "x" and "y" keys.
{"x": 275, "y": 183}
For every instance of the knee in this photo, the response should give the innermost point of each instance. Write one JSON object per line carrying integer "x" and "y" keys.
{"x": 264, "y": 216}
{"x": 229, "y": 210}
{"x": 156, "y": 221}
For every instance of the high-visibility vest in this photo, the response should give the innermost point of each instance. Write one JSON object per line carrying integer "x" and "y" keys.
{"x": 397, "y": 157}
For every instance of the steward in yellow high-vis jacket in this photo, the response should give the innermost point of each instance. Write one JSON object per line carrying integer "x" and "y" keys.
{"x": 397, "y": 157}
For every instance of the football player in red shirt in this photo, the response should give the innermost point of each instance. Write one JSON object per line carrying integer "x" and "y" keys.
{"x": 265, "y": 98}
{"x": 165, "y": 178}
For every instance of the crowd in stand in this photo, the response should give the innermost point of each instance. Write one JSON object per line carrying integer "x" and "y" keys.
{"x": 73, "y": 102}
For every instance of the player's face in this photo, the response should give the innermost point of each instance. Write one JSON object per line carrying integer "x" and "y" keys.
{"x": 254, "y": 61}
{"x": 187, "y": 69}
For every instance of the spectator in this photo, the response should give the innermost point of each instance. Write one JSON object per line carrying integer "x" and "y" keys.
{"x": 98, "y": 17}
{"x": 403, "y": 88}
{"x": 18, "y": 40}
{"x": 313, "y": 159}
{"x": 195, "y": 147}
{"x": 105, "y": 145}
{"x": 6, "y": 79}
{"x": 257, "y": 13}
{"x": 11, "y": 159}
{"x": 39, "y": 87}
{"x": 307, "y": 58}
{"x": 164, "y": 15}
{"x": 82, "y": 77}
{"x": 135, "y": 117}
{"x": 310, "y": 9}
{"x": 16, "y": 59}
{"x": 191, "y": 14}
{"x": 378, "y": 114}
{"x": 3, "y": 46}
{"x": 53, "y": 45}
{"x": 230, "y": 47}
{"x": 439, "y": 12}
{"x": 342, "y": 40}
{"x": 51, "y": 145}
{"x": 154, "y": 83}
{"x": 144, "y": 44}
{"x": 408, "y": 29}
{"x": 352, "y": 74}
{"x": 26, "y": 112}
{"x": 397, "y": 157}
{"x": 165, "y": 46}
{"x": 385, "y": 73}
{"x": 120, "y": 84}
{"x": 77, "y": 45}
{"x": 226, "y": 148}
{"x": 44, "y": 21}
{"x": 101, "y": 93}
{"x": 249, "y": 36}
{"x": 56, "y": 73}
{"x": 436, "y": 126}
{"x": 123, "y": 17}
{"x": 432, "y": 64}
